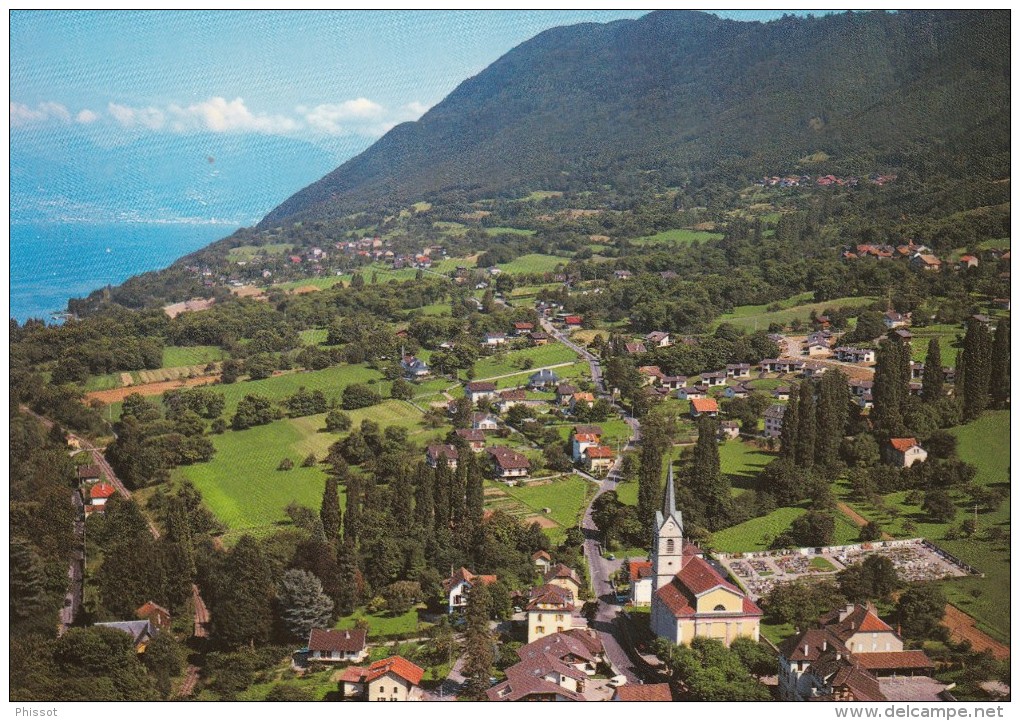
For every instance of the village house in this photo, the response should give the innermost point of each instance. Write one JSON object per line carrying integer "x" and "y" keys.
{"x": 692, "y": 393}
{"x": 738, "y": 370}
{"x": 572, "y": 321}
{"x": 704, "y": 407}
{"x": 508, "y": 464}
{"x": 550, "y": 610}
{"x": 329, "y": 645}
{"x": 580, "y": 443}
{"x": 459, "y": 585}
{"x": 477, "y": 390}
{"x": 552, "y": 668}
{"x": 689, "y": 597}
{"x": 892, "y": 319}
{"x": 737, "y": 391}
{"x": 538, "y": 338}
{"x": 391, "y": 679}
{"x": 473, "y": 437}
{"x": 728, "y": 430}
{"x": 672, "y": 383}
{"x": 905, "y": 452}
{"x": 916, "y": 370}
{"x": 854, "y": 656}
{"x": 658, "y": 339}
{"x": 141, "y": 631}
{"x": 774, "y": 420}
{"x": 782, "y": 393}
{"x": 598, "y": 460}
{"x": 521, "y": 328}
{"x": 924, "y": 261}
{"x": 543, "y": 379}
{"x": 781, "y": 365}
{"x": 967, "y": 261}
{"x": 716, "y": 378}
{"x": 814, "y": 369}
{"x": 565, "y": 577}
{"x": 509, "y": 399}
{"x": 542, "y": 561}
{"x": 623, "y": 274}
{"x": 634, "y": 348}
{"x": 815, "y": 348}
{"x": 414, "y": 367}
{"x": 155, "y": 614}
{"x": 436, "y": 454}
{"x": 100, "y": 494}
{"x": 640, "y": 574}
{"x": 564, "y": 392}
{"x": 484, "y": 422}
{"x": 494, "y": 339}
{"x": 650, "y": 374}
{"x": 89, "y": 474}
{"x": 850, "y": 354}
{"x": 581, "y": 397}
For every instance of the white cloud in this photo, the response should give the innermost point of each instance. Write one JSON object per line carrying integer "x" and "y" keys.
{"x": 220, "y": 116}
{"x": 22, "y": 114}
{"x": 150, "y": 117}
{"x": 416, "y": 109}
{"x": 348, "y": 117}
{"x": 87, "y": 116}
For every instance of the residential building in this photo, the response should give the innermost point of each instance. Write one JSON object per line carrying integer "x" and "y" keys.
{"x": 509, "y": 399}
{"x": 565, "y": 577}
{"x": 581, "y": 397}
{"x": 850, "y": 354}
{"x": 716, "y": 378}
{"x": 522, "y": 328}
{"x": 473, "y": 437}
{"x": 905, "y": 452}
{"x": 580, "y": 443}
{"x": 736, "y": 391}
{"x": 692, "y": 393}
{"x": 459, "y": 585}
{"x": 814, "y": 369}
{"x": 640, "y": 573}
{"x": 550, "y": 610}
{"x": 542, "y": 561}
{"x": 729, "y": 430}
{"x": 598, "y": 460}
{"x": 925, "y": 261}
{"x": 484, "y": 422}
{"x": 141, "y": 631}
{"x": 508, "y": 464}
{"x": 704, "y": 407}
{"x": 689, "y": 597}
{"x": 100, "y": 494}
{"x": 564, "y": 392}
{"x": 329, "y": 645}
{"x": 781, "y": 393}
{"x": 89, "y": 474}
{"x": 774, "y": 420}
{"x": 414, "y": 367}
{"x": 738, "y": 370}
{"x": 391, "y": 679}
{"x": 155, "y": 614}
{"x": 437, "y": 453}
{"x": 544, "y": 378}
{"x": 658, "y": 339}
{"x": 552, "y": 668}
{"x": 478, "y": 390}
{"x": 538, "y": 338}
{"x": 573, "y": 321}
{"x": 494, "y": 339}
{"x": 634, "y": 348}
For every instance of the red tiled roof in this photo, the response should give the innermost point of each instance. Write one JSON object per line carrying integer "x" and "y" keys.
{"x": 705, "y": 405}
{"x": 862, "y": 618}
{"x": 471, "y": 434}
{"x": 102, "y": 490}
{"x": 549, "y": 595}
{"x": 572, "y": 320}
{"x": 588, "y": 429}
{"x": 892, "y": 660}
{"x": 524, "y": 326}
{"x": 586, "y": 438}
{"x": 480, "y": 386}
{"x": 644, "y": 692}
{"x": 598, "y": 452}
{"x": 561, "y": 570}
{"x": 540, "y": 554}
{"x": 697, "y": 577}
{"x": 639, "y": 570}
{"x": 508, "y": 459}
{"x": 398, "y": 665}
{"x": 903, "y": 444}
{"x": 514, "y": 395}
{"x": 436, "y": 451}
{"x": 462, "y": 574}
{"x": 328, "y": 639}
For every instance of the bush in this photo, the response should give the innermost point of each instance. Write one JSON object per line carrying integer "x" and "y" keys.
{"x": 337, "y": 421}
{"x": 358, "y": 395}
{"x": 309, "y": 461}
{"x": 285, "y": 465}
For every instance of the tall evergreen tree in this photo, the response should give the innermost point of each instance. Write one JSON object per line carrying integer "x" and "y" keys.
{"x": 242, "y": 612}
{"x": 178, "y": 553}
{"x": 932, "y": 379}
{"x": 977, "y": 356}
{"x": 441, "y": 496}
{"x": 349, "y": 578}
{"x": 400, "y": 499}
{"x": 478, "y": 643}
{"x": 890, "y": 389}
{"x": 833, "y": 414}
{"x": 654, "y": 440}
{"x": 424, "y": 503}
{"x": 791, "y": 424}
{"x": 706, "y": 479}
{"x": 999, "y": 372}
{"x": 352, "y": 519}
{"x": 475, "y": 501}
{"x": 329, "y": 512}
{"x": 804, "y": 454}
{"x": 303, "y": 604}
{"x": 27, "y": 580}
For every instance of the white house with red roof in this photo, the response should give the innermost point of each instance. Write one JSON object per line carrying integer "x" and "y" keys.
{"x": 905, "y": 452}
{"x": 391, "y": 679}
{"x": 329, "y": 645}
{"x": 459, "y": 585}
{"x": 99, "y": 494}
{"x": 689, "y": 596}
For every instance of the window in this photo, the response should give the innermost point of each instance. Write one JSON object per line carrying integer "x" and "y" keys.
{"x": 382, "y": 689}
{"x": 539, "y": 617}
{"x": 396, "y": 690}
{"x": 539, "y": 629}
{"x": 669, "y": 545}
{"x": 719, "y": 607}
{"x": 559, "y": 616}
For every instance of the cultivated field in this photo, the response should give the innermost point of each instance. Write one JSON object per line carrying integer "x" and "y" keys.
{"x": 677, "y": 235}
{"x": 533, "y": 263}
{"x": 176, "y": 356}
{"x": 511, "y": 361}
{"x": 759, "y": 533}
{"x": 751, "y": 317}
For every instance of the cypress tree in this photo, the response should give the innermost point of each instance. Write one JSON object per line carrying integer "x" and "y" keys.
{"x": 400, "y": 500}
{"x": 242, "y": 612}
{"x": 352, "y": 519}
{"x": 458, "y": 485}
{"x": 329, "y": 513}
{"x": 26, "y": 580}
{"x": 706, "y": 479}
{"x": 654, "y": 439}
{"x": 806, "y": 428}
{"x": 890, "y": 388}
{"x": 791, "y": 424}
{"x": 348, "y": 578}
{"x": 931, "y": 381}
{"x": 178, "y": 553}
{"x": 441, "y": 496}
{"x": 475, "y": 501}
{"x": 478, "y": 645}
{"x": 999, "y": 381}
{"x": 833, "y": 413}
{"x": 424, "y": 504}
{"x": 977, "y": 351}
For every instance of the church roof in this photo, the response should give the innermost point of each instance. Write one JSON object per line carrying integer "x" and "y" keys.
{"x": 669, "y": 509}
{"x": 695, "y": 578}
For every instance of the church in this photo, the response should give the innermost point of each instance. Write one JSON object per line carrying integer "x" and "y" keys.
{"x": 689, "y": 597}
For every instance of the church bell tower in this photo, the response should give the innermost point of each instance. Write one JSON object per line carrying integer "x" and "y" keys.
{"x": 668, "y": 538}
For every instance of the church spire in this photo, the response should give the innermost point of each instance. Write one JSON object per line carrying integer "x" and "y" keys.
{"x": 669, "y": 497}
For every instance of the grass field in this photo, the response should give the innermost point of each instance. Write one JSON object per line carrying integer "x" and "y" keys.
{"x": 322, "y": 283}
{"x": 331, "y": 381}
{"x": 381, "y": 624}
{"x": 103, "y": 382}
{"x": 627, "y": 492}
{"x": 742, "y": 462}
{"x": 614, "y": 430}
{"x": 758, "y": 533}
{"x": 566, "y": 498}
{"x": 750, "y": 317}
{"x": 1001, "y": 243}
{"x": 572, "y": 373}
{"x": 985, "y": 444}
{"x": 542, "y": 194}
{"x": 527, "y": 291}
{"x": 313, "y": 336}
{"x": 175, "y": 356}
{"x": 533, "y": 263}
{"x": 498, "y": 230}
{"x": 510, "y": 362}
{"x": 677, "y": 235}
{"x": 947, "y": 337}
{"x": 247, "y": 252}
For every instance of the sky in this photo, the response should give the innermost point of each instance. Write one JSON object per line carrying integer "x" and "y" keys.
{"x": 317, "y": 76}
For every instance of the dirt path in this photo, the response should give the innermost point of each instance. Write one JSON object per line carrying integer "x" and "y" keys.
{"x": 188, "y": 685}
{"x": 115, "y": 395}
{"x": 201, "y": 614}
{"x": 858, "y": 518}
{"x": 962, "y": 626}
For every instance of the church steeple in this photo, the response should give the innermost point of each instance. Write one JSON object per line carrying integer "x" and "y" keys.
{"x": 668, "y": 538}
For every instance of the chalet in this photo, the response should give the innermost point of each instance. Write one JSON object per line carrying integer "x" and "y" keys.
{"x": 582, "y": 397}
{"x": 851, "y": 658}
{"x": 141, "y": 631}
{"x": 88, "y": 474}
{"x": 814, "y": 369}
{"x": 738, "y": 370}
{"x": 332, "y": 646}
{"x": 459, "y": 585}
{"x": 892, "y": 319}
{"x": 634, "y": 348}
{"x": 774, "y": 420}
{"x": 850, "y": 354}
{"x": 967, "y": 261}
{"x": 550, "y": 610}
{"x": 414, "y": 367}
{"x": 654, "y": 692}
{"x": 924, "y": 261}
{"x": 155, "y": 614}
{"x": 737, "y": 391}
{"x": 521, "y": 328}
{"x": 542, "y": 561}
{"x": 494, "y": 339}
{"x": 477, "y": 390}
{"x": 565, "y": 577}
{"x": 484, "y": 422}
{"x": 436, "y": 454}
{"x": 729, "y": 430}
{"x": 543, "y": 379}
{"x": 564, "y": 392}
{"x": 507, "y": 463}
{"x": 391, "y": 679}
{"x": 905, "y": 452}
{"x": 717, "y": 378}
{"x": 473, "y": 437}
{"x": 651, "y": 374}
{"x": 622, "y": 274}
{"x": 782, "y": 393}
{"x": 658, "y": 339}
{"x": 598, "y": 459}
{"x": 538, "y": 338}
{"x": 640, "y": 574}
{"x": 692, "y": 393}
{"x": 572, "y": 321}
{"x": 672, "y": 383}
{"x": 511, "y": 398}
{"x": 581, "y": 442}
{"x": 859, "y": 387}
{"x": 555, "y": 667}
{"x": 704, "y": 407}
{"x": 100, "y": 494}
